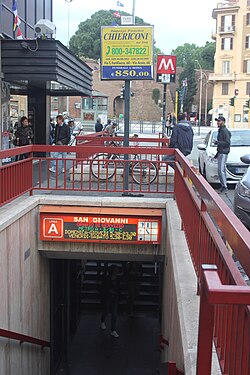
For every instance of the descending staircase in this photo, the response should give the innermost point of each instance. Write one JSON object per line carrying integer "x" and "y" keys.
{"x": 147, "y": 299}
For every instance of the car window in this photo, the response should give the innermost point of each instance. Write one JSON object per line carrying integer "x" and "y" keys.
{"x": 213, "y": 138}
{"x": 206, "y": 140}
{"x": 240, "y": 138}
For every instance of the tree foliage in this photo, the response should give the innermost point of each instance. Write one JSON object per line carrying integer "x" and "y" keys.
{"x": 187, "y": 52}
{"x": 188, "y": 74}
{"x": 86, "y": 42}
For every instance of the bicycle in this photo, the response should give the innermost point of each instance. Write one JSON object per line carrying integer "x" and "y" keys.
{"x": 104, "y": 166}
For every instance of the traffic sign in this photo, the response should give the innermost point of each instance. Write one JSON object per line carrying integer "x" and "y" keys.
{"x": 166, "y": 65}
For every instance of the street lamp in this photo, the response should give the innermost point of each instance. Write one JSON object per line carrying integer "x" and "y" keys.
{"x": 68, "y": 1}
{"x": 199, "y": 123}
{"x": 206, "y": 77}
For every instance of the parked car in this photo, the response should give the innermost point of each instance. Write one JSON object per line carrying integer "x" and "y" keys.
{"x": 235, "y": 168}
{"x": 242, "y": 195}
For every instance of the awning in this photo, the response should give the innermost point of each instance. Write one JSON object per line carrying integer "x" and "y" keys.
{"x": 40, "y": 61}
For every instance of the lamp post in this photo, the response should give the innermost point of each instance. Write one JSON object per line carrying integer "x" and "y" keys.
{"x": 68, "y": 1}
{"x": 199, "y": 123}
{"x": 206, "y": 77}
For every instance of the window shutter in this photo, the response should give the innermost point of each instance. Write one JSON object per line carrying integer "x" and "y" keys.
{"x": 222, "y": 26}
{"x": 244, "y": 66}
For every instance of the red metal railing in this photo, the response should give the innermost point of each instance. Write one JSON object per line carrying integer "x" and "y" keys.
{"x": 23, "y": 338}
{"x": 233, "y": 299}
{"x": 34, "y": 173}
{"x": 211, "y": 228}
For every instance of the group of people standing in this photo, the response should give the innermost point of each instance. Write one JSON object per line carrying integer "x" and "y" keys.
{"x": 109, "y": 128}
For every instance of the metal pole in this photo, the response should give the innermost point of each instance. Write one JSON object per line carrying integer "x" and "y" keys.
{"x": 133, "y": 12}
{"x": 126, "y": 136}
{"x": 126, "y": 123}
{"x": 199, "y": 123}
{"x": 164, "y": 108}
{"x": 68, "y": 1}
{"x": 206, "y": 104}
{"x": 206, "y": 82}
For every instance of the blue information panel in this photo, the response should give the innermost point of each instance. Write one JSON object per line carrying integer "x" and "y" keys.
{"x": 127, "y": 72}
{"x": 127, "y": 53}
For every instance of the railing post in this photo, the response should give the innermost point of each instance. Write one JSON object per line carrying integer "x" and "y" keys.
{"x": 206, "y": 325}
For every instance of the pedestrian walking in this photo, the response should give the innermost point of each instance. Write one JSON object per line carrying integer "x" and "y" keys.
{"x": 181, "y": 138}
{"x": 62, "y": 138}
{"x": 110, "y": 291}
{"x": 223, "y": 148}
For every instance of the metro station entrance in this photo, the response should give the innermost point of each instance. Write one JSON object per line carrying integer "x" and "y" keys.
{"x": 78, "y": 344}
{"x": 84, "y": 246}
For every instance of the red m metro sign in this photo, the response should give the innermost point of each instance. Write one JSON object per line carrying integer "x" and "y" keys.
{"x": 166, "y": 64}
{"x": 166, "y": 68}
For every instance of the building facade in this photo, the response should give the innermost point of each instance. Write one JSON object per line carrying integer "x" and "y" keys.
{"x": 231, "y": 77}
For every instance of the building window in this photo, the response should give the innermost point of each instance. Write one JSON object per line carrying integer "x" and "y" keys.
{"x": 224, "y": 88}
{"x": 226, "y": 44}
{"x": 228, "y": 23}
{"x": 247, "y": 41}
{"x": 246, "y": 66}
{"x": 248, "y": 19}
{"x": 248, "y": 88}
{"x": 226, "y": 67}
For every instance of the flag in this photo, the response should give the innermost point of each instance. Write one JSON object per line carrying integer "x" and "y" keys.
{"x": 117, "y": 15}
{"x": 119, "y": 4}
{"x": 17, "y": 20}
{"x": 19, "y": 34}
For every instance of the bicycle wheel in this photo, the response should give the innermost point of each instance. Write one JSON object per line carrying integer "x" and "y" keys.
{"x": 102, "y": 167}
{"x": 144, "y": 172}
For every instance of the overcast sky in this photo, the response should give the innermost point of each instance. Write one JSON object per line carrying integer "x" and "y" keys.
{"x": 175, "y": 22}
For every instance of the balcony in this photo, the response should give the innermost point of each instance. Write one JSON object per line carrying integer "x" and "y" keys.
{"x": 221, "y": 77}
{"x": 227, "y": 30}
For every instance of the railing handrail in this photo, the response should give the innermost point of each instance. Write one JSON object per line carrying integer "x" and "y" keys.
{"x": 235, "y": 233}
{"x": 214, "y": 293}
{"x": 209, "y": 209}
{"x": 23, "y": 338}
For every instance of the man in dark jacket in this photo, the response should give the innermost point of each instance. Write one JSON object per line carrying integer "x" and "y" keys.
{"x": 62, "y": 138}
{"x": 181, "y": 138}
{"x": 223, "y": 148}
{"x": 98, "y": 125}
